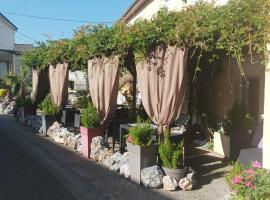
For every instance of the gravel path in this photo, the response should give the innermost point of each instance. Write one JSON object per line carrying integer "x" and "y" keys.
{"x": 87, "y": 180}
{"x": 23, "y": 178}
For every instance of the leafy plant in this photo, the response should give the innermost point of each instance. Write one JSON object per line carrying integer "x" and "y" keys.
{"x": 249, "y": 183}
{"x": 202, "y": 28}
{"x": 20, "y": 101}
{"x": 171, "y": 154}
{"x": 81, "y": 102}
{"x": 140, "y": 134}
{"x": 28, "y": 102}
{"x": 238, "y": 120}
{"x": 3, "y": 92}
{"x": 210, "y": 145}
{"x": 48, "y": 107}
{"x": 90, "y": 117}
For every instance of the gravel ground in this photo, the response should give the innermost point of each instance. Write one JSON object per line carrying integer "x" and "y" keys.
{"x": 87, "y": 180}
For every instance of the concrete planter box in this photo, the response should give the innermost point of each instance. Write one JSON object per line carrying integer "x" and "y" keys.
{"x": 177, "y": 174}
{"x": 87, "y": 135}
{"x": 77, "y": 120}
{"x": 141, "y": 157}
{"x": 47, "y": 121}
{"x": 222, "y": 144}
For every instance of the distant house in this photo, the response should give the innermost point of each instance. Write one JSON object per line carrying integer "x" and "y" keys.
{"x": 9, "y": 51}
{"x": 254, "y": 92}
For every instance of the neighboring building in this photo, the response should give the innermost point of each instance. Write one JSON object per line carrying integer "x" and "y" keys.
{"x": 146, "y": 9}
{"x": 9, "y": 51}
{"x": 225, "y": 92}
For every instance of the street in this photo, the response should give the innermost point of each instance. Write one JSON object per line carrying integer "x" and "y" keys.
{"x": 23, "y": 178}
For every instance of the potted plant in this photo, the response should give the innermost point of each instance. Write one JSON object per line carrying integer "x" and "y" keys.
{"x": 171, "y": 156}
{"x": 142, "y": 150}
{"x": 49, "y": 112}
{"x": 80, "y": 103}
{"x": 234, "y": 132}
{"x": 90, "y": 128}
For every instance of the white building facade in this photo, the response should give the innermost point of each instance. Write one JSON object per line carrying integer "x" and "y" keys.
{"x": 7, "y": 46}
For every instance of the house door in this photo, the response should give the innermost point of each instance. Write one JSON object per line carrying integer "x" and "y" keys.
{"x": 3, "y": 69}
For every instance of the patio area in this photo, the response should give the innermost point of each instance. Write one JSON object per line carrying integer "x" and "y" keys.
{"x": 88, "y": 179}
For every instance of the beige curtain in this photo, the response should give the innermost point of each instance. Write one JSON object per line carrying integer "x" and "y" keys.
{"x": 59, "y": 84}
{"x": 161, "y": 81}
{"x": 40, "y": 85}
{"x": 103, "y": 75}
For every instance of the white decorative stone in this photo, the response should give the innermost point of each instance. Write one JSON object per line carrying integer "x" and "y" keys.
{"x": 108, "y": 162}
{"x": 169, "y": 183}
{"x": 125, "y": 170}
{"x": 152, "y": 177}
{"x": 52, "y": 130}
{"x": 80, "y": 148}
{"x": 104, "y": 153}
{"x": 185, "y": 184}
{"x": 97, "y": 146}
{"x": 59, "y": 140}
{"x": 120, "y": 160}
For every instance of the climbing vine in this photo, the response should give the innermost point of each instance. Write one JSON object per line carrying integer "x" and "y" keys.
{"x": 201, "y": 28}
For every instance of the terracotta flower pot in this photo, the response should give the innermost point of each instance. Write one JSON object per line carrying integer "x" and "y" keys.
{"x": 141, "y": 157}
{"x": 87, "y": 135}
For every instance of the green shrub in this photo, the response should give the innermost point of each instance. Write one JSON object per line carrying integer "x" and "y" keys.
{"x": 140, "y": 134}
{"x": 81, "y": 102}
{"x": 28, "y": 102}
{"x": 19, "y": 101}
{"x": 90, "y": 117}
{"x": 48, "y": 107}
{"x": 3, "y": 92}
{"x": 171, "y": 154}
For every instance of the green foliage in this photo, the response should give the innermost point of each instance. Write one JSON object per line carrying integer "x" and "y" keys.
{"x": 48, "y": 107}
{"x": 90, "y": 117}
{"x": 36, "y": 58}
{"x": 236, "y": 169}
{"x": 201, "y": 28}
{"x": 171, "y": 154}
{"x": 210, "y": 145}
{"x": 249, "y": 183}
{"x": 20, "y": 101}
{"x": 141, "y": 133}
{"x": 3, "y": 92}
{"x": 28, "y": 102}
{"x": 238, "y": 120}
{"x": 81, "y": 102}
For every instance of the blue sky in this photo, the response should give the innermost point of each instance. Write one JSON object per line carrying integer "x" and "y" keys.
{"x": 40, "y": 30}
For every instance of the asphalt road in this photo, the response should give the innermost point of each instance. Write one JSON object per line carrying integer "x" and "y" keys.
{"x": 23, "y": 178}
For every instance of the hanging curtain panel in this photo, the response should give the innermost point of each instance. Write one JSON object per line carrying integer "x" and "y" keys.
{"x": 103, "y": 75}
{"x": 40, "y": 85}
{"x": 161, "y": 79}
{"x": 59, "y": 84}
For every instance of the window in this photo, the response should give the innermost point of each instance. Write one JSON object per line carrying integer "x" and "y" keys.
{"x": 3, "y": 69}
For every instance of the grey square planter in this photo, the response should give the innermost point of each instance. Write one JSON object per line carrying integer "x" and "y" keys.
{"x": 47, "y": 121}
{"x": 141, "y": 157}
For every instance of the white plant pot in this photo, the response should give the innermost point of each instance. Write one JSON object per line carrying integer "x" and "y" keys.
{"x": 222, "y": 144}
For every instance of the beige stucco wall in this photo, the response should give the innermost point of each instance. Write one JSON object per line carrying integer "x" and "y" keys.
{"x": 7, "y": 38}
{"x": 150, "y": 9}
